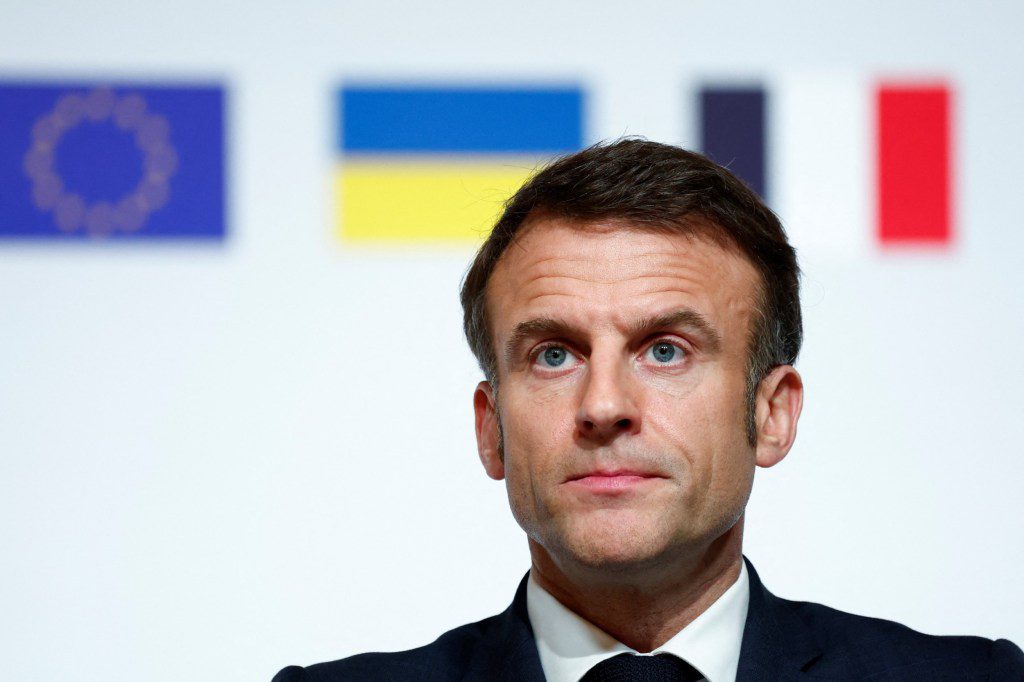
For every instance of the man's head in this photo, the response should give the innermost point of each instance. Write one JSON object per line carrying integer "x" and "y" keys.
{"x": 656, "y": 187}
{"x": 636, "y": 312}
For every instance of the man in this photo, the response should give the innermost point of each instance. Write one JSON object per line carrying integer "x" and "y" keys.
{"x": 636, "y": 314}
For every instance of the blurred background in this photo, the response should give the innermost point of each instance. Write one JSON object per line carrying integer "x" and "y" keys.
{"x": 235, "y": 402}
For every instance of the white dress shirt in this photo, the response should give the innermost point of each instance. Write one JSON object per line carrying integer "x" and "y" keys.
{"x": 569, "y": 646}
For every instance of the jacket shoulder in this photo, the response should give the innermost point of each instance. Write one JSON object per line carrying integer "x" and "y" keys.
{"x": 868, "y": 646}
{"x": 446, "y": 658}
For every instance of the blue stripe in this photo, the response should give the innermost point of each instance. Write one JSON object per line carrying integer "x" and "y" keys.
{"x": 469, "y": 120}
{"x": 129, "y": 161}
{"x": 733, "y": 132}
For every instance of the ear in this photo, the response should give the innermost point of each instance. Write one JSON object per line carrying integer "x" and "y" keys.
{"x": 488, "y": 435}
{"x": 780, "y": 397}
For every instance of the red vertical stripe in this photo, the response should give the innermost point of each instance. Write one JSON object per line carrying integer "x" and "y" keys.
{"x": 914, "y": 173}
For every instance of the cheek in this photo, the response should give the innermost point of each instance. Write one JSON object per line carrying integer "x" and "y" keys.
{"x": 730, "y": 458}
{"x": 536, "y": 422}
{"x": 708, "y": 405}
{"x": 708, "y": 426}
{"x": 535, "y": 435}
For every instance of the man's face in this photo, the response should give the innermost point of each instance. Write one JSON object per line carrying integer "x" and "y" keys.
{"x": 622, "y": 357}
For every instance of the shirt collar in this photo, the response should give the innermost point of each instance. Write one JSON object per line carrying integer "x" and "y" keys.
{"x": 569, "y": 646}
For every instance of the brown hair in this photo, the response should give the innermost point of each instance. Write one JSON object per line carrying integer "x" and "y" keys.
{"x": 661, "y": 187}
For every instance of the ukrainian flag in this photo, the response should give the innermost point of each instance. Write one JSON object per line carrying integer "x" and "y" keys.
{"x": 434, "y": 164}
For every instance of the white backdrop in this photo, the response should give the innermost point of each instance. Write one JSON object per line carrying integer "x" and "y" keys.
{"x": 218, "y": 460}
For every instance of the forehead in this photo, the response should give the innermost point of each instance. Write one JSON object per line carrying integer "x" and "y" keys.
{"x": 609, "y": 273}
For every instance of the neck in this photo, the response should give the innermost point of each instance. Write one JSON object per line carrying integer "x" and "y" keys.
{"x": 644, "y": 608}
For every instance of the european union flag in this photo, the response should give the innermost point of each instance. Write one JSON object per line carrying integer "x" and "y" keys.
{"x": 86, "y": 160}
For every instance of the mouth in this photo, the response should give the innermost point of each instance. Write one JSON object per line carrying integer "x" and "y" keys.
{"x": 612, "y": 482}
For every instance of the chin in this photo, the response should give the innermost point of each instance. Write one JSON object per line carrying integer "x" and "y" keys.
{"x": 612, "y": 547}
{"x": 614, "y": 562}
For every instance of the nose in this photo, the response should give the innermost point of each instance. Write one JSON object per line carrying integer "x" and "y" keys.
{"x": 608, "y": 407}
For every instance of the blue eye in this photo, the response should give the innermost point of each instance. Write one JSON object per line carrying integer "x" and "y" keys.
{"x": 664, "y": 352}
{"x": 554, "y": 356}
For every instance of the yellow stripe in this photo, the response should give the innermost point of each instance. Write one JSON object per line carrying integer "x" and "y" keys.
{"x": 419, "y": 202}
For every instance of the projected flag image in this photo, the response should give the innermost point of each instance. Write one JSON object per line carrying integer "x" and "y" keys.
{"x": 422, "y": 164}
{"x": 847, "y": 162}
{"x": 99, "y": 161}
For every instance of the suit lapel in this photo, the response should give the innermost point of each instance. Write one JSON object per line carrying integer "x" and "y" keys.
{"x": 777, "y": 645}
{"x": 507, "y": 652}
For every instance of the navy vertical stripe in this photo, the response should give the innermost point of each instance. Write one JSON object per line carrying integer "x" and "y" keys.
{"x": 732, "y": 132}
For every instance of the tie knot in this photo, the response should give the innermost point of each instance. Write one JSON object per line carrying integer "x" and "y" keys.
{"x": 633, "y": 668}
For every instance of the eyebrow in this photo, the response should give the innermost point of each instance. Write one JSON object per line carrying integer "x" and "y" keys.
{"x": 682, "y": 318}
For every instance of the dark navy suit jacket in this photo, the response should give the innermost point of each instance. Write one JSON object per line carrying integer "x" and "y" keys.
{"x": 782, "y": 640}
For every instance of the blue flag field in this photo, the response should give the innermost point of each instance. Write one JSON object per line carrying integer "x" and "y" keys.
{"x": 87, "y": 161}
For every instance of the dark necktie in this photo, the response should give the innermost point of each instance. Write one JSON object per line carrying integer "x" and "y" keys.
{"x": 633, "y": 668}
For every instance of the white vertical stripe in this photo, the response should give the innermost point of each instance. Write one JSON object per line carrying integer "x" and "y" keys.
{"x": 820, "y": 162}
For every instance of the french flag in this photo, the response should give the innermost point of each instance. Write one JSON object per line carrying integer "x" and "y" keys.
{"x": 850, "y": 165}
